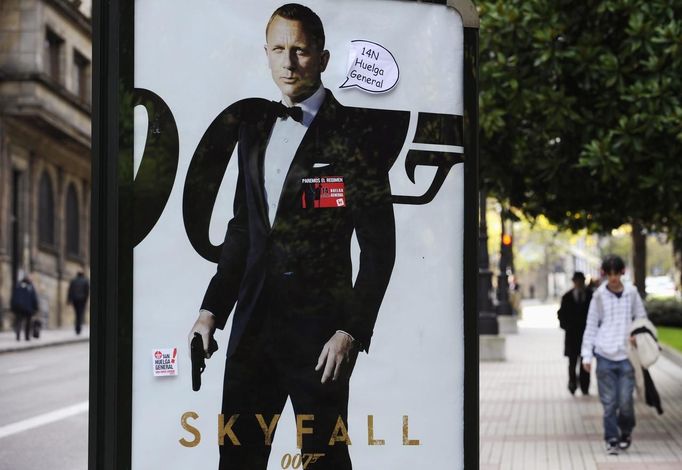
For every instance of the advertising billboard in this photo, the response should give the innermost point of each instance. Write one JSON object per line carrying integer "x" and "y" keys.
{"x": 296, "y": 228}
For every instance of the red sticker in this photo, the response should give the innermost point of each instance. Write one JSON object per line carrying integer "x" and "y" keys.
{"x": 323, "y": 191}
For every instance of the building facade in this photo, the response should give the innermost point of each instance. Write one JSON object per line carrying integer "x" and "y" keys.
{"x": 45, "y": 99}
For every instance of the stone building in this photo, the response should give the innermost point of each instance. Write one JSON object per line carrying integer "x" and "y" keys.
{"x": 45, "y": 99}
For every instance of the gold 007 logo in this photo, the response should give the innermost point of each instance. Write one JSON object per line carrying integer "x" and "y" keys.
{"x": 299, "y": 460}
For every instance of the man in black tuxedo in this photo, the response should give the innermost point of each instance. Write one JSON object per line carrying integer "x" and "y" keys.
{"x": 572, "y": 318}
{"x": 299, "y": 320}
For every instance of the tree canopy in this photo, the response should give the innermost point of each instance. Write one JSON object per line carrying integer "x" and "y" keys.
{"x": 581, "y": 110}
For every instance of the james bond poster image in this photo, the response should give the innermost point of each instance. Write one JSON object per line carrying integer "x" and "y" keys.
{"x": 300, "y": 215}
{"x": 299, "y": 320}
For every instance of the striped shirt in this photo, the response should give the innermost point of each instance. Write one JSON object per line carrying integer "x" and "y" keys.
{"x": 608, "y": 323}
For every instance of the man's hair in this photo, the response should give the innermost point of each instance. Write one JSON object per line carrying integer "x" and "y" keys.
{"x": 578, "y": 275}
{"x": 312, "y": 24}
{"x": 613, "y": 264}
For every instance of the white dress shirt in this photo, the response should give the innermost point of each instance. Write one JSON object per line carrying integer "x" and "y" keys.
{"x": 285, "y": 138}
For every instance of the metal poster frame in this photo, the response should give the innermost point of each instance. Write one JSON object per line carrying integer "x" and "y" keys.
{"x": 110, "y": 415}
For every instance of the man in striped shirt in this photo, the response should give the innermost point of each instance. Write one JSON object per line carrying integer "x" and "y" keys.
{"x": 607, "y": 338}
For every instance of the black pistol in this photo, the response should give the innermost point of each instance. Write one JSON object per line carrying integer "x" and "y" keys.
{"x": 199, "y": 358}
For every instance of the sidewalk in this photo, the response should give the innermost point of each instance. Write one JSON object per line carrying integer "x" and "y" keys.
{"x": 529, "y": 420}
{"x": 9, "y": 343}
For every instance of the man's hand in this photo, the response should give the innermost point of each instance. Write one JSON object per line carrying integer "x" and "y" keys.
{"x": 587, "y": 366}
{"x": 633, "y": 341}
{"x": 204, "y": 325}
{"x": 338, "y": 353}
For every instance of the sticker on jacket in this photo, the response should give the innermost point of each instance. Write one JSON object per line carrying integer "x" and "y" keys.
{"x": 323, "y": 192}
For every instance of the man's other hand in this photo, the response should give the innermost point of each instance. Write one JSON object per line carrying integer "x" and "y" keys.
{"x": 587, "y": 366}
{"x": 337, "y": 357}
{"x": 204, "y": 325}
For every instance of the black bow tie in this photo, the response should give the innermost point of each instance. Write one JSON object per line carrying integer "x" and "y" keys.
{"x": 295, "y": 112}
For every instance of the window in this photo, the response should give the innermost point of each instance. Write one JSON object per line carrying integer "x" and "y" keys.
{"x": 81, "y": 76}
{"x": 46, "y": 211}
{"x": 72, "y": 222}
{"x": 53, "y": 55}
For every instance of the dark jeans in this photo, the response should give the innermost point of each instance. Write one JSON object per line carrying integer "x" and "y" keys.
{"x": 616, "y": 381}
{"x": 583, "y": 375}
{"x": 24, "y": 318}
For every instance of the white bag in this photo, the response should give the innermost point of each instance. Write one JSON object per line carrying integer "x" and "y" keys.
{"x": 646, "y": 338}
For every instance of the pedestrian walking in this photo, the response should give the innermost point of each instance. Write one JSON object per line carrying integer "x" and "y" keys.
{"x": 79, "y": 290}
{"x": 612, "y": 310}
{"x": 572, "y": 317}
{"x": 24, "y": 304}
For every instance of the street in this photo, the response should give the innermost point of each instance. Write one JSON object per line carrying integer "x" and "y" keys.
{"x": 43, "y": 408}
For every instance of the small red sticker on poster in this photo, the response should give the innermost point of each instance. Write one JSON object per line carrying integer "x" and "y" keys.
{"x": 323, "y": 192}
{"x": 165, "y": 362}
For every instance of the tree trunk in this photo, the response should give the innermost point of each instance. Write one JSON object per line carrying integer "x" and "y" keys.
{"x": 639, "y": 257}
{"x": 677, "y": 254}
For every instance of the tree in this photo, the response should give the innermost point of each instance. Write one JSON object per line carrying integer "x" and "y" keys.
{"x": 581, "y": 111}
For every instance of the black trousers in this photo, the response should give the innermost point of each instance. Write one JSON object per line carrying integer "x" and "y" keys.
{"x": 583, "y": 376}
{"x": 79, "y": 308}
{"x": 25, "y": 319}
{"x": 268, "y": 367}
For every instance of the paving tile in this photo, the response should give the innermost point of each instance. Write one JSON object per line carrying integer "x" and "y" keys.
{"x": 48, "y": 338}
{"x": 529, "y": 420}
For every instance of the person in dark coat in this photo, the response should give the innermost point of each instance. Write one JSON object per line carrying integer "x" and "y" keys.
{"x": 79, "y": 290}
{"x": 24, "y": 304}
{"x": 572, "y": 318}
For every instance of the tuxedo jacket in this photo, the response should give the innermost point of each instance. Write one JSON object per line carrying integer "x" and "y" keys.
{"x": 302, "y": 262}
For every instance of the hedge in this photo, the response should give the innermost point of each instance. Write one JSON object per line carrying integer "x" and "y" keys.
{"x": 665, "y": 312}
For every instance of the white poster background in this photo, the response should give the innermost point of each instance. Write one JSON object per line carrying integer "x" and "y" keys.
{"x": 204, "y": 55}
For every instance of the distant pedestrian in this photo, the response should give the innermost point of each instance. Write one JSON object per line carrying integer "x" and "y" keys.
{"x": 79, "y": 290}
{"x": 572, "y": 317}
{"x": 24, "y": 304}
{"x": 515, "y": 297}
{"x": 607, "y": 337}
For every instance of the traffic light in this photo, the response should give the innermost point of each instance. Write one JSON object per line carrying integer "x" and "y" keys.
{"x": 506, "y": 255}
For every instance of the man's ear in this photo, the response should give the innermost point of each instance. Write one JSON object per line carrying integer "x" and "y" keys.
{"x": 324, "y": 60}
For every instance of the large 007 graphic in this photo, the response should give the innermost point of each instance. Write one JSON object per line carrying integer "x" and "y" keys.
{"x": 436, "y": 141}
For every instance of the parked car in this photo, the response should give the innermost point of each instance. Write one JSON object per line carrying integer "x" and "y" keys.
{"x": 660, "y": 286}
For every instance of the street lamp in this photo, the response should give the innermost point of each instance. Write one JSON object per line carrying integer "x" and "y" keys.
{"x": 503, "y": 305}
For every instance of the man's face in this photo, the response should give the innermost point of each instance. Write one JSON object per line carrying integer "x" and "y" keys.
{"x": 295, "y": 61}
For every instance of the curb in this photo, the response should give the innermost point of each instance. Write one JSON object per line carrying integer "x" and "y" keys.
{"x": 40, "y": 345}
{"x": 671, "y": 354}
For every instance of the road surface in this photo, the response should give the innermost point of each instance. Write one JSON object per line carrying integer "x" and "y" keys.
{"x": 43, "y": 408}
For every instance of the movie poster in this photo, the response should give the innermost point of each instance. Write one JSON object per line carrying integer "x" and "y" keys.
{"x": 304, "y": 167}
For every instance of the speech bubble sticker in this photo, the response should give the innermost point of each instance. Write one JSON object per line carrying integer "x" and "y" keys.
{"x": 371, "y": 67}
